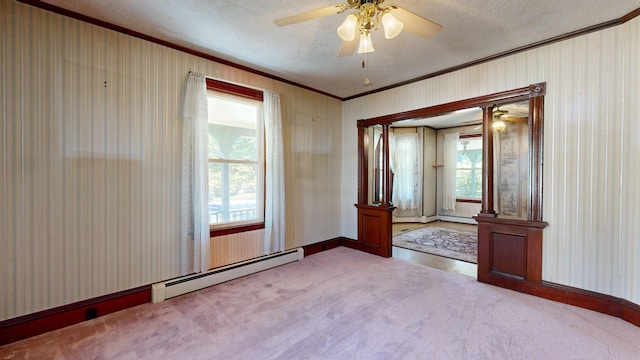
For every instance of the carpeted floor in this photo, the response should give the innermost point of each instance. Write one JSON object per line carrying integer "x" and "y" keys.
{"x": 452, "y": 243}
{"x": 343, "y": 304}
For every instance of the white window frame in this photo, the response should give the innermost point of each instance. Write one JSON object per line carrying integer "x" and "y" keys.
{"x": 236, "y": 93}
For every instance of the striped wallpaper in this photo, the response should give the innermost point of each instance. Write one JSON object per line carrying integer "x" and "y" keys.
{"x": 90, "y": 152}
{"x": 591, "y": 145}
{"x": 90, "y": 161}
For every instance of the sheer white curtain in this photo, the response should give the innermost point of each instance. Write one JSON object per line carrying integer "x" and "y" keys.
{"x": 407, "y": 189}
{"x": 450, "y": 160}
{"x": 274, "y": 212}
{"x": 194, "y": 232}
{"x": 393, "y": 165}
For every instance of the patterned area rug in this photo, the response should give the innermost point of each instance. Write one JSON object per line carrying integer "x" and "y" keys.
{"x": 451, "y": 243}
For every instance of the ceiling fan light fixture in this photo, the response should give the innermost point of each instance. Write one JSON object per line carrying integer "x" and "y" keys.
{"x": 499, "y": 125}
{"x": 347, "y": 31}
{"x": 392, "y": 26}
{"x": 366, "y": 46}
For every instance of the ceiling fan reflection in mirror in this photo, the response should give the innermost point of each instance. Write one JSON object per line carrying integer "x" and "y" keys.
{"x": 500, "y": 116}
{"x": 367, "y": 16}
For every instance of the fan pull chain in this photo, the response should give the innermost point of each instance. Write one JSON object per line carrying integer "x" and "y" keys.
{"x": 367, "y": 82}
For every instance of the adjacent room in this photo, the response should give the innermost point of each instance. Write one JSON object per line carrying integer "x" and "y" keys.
{"x": 361, "y": 180}
{"x": 427, "y": 218}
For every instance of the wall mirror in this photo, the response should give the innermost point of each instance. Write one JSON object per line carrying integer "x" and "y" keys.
{"x": 510, "y": 123}
{"x": 376, "y": 164}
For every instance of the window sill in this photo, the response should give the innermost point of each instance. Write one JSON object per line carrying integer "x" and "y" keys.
{"x": 235, "y": 229}
{"x": 474, "y": 201}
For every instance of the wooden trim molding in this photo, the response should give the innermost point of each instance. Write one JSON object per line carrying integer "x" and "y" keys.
{"x": 322, "y": 246}
{"x": 58, "y": 10}
{"x": 630, "y": 312}
{"x": 509, "y": 249}
{"x": 502, "y": 97}
{"x": 606, "y": 304}
{"x": 48, "y": 320}
{"x": 363, "y": 165}
{"x": 374, "y": 229}
{"x": 34, "y": 324}
{"x": 235, "y": 229}
{"x": 74, "y": 15}
{"x": 487, "y": 163}
{"x": 471, "y": 201}
{"x": 615, "y": 22}
{"x": 234, "y": 89}
{"x": 52, "y": 319}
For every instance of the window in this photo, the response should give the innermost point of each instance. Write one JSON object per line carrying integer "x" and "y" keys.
{"x": 469, "y": 168}
{"x": 236, "y": 157}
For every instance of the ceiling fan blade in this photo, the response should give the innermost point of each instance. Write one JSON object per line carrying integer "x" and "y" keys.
{"x": 348, "y": 47}
{"x": 416, "y": 24}
{"x": 523, "y": 120}
{"x": 310, "y": 15}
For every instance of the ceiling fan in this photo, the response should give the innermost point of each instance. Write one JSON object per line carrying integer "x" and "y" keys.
{"x": 499, "y": 117}
{"x": 499, "y": 114}
{"x": 368, "y": 15}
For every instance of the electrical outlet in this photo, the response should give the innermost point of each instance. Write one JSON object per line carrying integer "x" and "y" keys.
{"x": 90, "y": 313}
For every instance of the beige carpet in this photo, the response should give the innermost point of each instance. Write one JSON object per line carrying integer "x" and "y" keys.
{"x": 344, "y": 304}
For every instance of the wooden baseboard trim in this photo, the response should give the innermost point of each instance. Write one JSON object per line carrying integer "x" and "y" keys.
{"x": 586, "y": 299}
{"x": 630, "y": 312}
{"x": 606, "y": 304}
{"x": 44, "y": 321}
{"x": 29, "y": 325}
{"x": 351, "y": 243}
{"x": 321, "y": 246}
{"x": 591, "y": 300}
{"x": 26, "y": 326}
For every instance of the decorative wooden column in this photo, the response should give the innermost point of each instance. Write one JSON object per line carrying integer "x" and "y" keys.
{"x": 487, "y": 163}
{"x": 536, "y": 142}
{"x": 374, "y": 220}
{"x": 374, "y": 229}
{"x": 386, "y": 186}
{"x": 363, "y": 164}
{"x": 510, "y": 250}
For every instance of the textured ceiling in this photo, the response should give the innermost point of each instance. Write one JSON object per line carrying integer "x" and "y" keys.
{"x": 242, "y": 31}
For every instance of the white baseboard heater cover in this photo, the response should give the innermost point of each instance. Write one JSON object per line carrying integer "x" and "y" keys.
{"x": 414, "y": 219}
{"x": 172, "y": 288}
{"x": 458, "y": 219}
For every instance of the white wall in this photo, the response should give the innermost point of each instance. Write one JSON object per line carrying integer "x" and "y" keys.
{"x": 89, "y": 175}
{"x": 591, "y": 145}
{"x": 90, "y": 161}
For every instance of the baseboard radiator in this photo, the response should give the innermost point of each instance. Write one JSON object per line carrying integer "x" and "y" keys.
{"x": 458, "y": 219}
{"x": 414, "y": 219}
{"x": 175, "y": 287}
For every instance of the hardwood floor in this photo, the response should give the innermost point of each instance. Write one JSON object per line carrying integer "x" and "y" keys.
{"x": 434, "y": 261}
